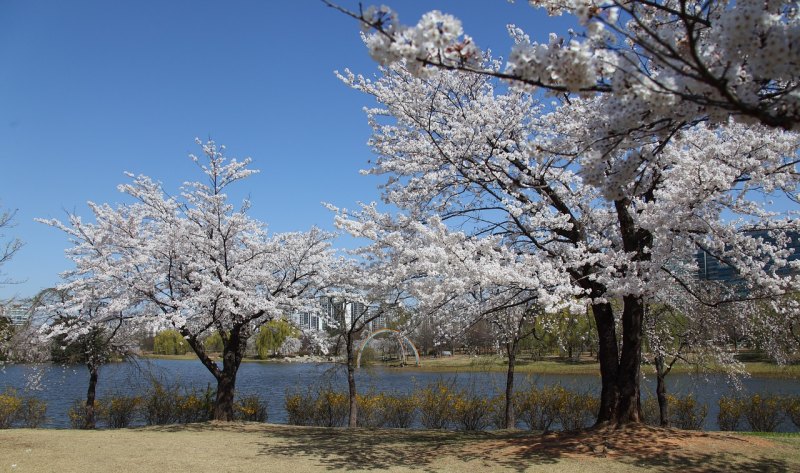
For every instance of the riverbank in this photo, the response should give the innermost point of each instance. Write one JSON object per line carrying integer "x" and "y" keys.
{"x": 240, "y": 447}
{"x": 494, "y": 363}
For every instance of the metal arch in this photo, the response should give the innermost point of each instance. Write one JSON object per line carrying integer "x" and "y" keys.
{"x": 398, "y": 334}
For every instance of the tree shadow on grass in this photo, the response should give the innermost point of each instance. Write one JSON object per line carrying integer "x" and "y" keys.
{"x": 662, "y": 450}
{"x": 381, "y": 449}
{"x": 656, "y": 449}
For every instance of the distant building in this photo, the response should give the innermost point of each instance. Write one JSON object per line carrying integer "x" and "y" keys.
{"x": 18, "y": 314}
{"x": 711, "y": 268}
{"x": 340, "y": 311}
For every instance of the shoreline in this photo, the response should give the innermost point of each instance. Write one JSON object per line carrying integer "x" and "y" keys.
{"x": 491, "y": 363}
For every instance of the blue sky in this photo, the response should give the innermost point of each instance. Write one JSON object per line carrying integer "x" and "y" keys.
{"x": 90, "y": 89}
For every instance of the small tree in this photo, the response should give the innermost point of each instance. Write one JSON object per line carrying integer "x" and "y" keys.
{"x": 197, "y": 264}
{"x": 272, "y": 335}
{"x": 170, "y": 342}
{"x": 89, "y": 329}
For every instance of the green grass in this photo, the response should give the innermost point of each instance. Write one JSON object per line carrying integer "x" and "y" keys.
{"x": 496, "y": 363}
{"x": 772, "y": 435}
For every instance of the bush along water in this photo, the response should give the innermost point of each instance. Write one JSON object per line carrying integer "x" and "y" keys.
{"x": 440, "y": 405}
{"x": 164, "y": 404}
{"x": 20, "y": 411}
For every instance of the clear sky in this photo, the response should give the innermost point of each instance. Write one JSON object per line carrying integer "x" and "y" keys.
{"x": 91, "y": 88}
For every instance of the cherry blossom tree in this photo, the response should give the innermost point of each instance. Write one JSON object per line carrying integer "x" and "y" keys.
{"x": 8, "y": 248}
{"x": 621, "y": 224}
{"x": 458, "y": 280}
{"x": 664, "y": 64}
{"x": 359, "y": 293}
{"x": 197, "y": 264}
{"x": 101, "y": 326}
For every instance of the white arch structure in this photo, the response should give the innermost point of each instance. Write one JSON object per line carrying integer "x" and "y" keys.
{"x": 401, "y": 338}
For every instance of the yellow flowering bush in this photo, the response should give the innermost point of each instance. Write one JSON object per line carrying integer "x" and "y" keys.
{"x": 398, "y": 411}
{"x": 117, "y": 411}
{"x": 764, "y": 414}
{"x": 10, "y": 407}
{"x": 21, "y": 410}
{"x": 250, "y": 408}
{"x": 730, "y": 413}
{"x": 331, "y": 408}
{"x": 435, "y": 403}
{"x": 686, "y": 412}
{"x": 370, "y": 406}
{"x": 471, "y": 411}
{"x": 538, "y": 408}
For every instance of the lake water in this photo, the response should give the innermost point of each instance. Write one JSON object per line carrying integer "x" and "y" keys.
{"x": 60, "y": 386}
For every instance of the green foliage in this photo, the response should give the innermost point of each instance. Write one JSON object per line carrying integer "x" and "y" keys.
{"x": 213, "y": 343}
{"x": 272, "y": 335}
{"x": 95, "y": 344}
{"x": 763, "y": 414}
{"x": 170, "y": 342}
{"x": 730, "y": 413}
{"x": 22, "y": 411}
{"x": 686, "y": 413}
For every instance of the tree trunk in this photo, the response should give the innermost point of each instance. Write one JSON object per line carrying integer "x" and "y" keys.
{"x": 661, "y": 392}
{"x": 351, "y": 383}
{"x": 509, "y": 421}
{"x": 89, "y": 421}
{"x": 232, "y": 354}
{"x": 608, "y": 355}
{"x": 628, "y": 374}
{"x": 226, "y": 388}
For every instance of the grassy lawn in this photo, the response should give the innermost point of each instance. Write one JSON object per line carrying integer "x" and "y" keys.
{"x": 235, "y": 447}
{"x": 585, "y": 366}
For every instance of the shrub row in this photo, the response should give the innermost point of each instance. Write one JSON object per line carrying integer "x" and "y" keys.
{"x": 685, "y": 412}
{"x": 20, "y": 411}
{"x": 757, "y": 413}
{"x": 162, "y": 405}
{"x": 440, "y": 406}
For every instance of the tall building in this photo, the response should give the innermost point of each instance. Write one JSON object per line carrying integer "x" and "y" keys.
{"x": 711, "y": 268}
{"x": 18, "y": 314}
{"x": 339, "y": 312}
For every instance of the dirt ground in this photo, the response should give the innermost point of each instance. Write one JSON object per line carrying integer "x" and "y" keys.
{"x": 240, "y": 447}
